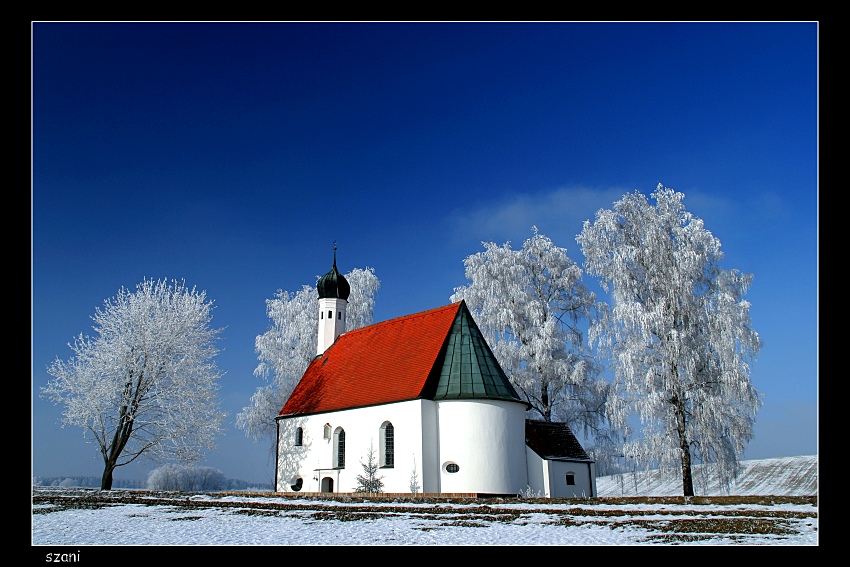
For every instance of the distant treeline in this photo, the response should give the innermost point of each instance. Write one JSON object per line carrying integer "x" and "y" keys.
{"x": 168, "y": 477}
{"x": 84, "y": 482}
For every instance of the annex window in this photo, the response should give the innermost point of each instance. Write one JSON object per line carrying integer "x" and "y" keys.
{"x": 299, "y": 436}
{"x": 387, "y": 445}
{"x": 571, "y": 479}
{"x": 339, "y": 444}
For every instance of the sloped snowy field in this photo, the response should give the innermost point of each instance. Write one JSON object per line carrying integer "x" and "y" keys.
{"x": 785, "y": 476}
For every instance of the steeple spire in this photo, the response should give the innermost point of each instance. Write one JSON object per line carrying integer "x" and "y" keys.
{"x": 333, "y": 284}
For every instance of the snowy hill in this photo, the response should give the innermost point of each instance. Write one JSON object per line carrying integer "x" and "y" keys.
{"x": 783, "y": 476}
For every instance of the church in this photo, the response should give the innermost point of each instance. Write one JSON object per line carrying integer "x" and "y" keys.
{"x": 425, "y": 398}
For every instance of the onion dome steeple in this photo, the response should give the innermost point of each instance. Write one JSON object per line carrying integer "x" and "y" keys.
{"x": 333, "y": 284}
{"x": 333, "y": 291}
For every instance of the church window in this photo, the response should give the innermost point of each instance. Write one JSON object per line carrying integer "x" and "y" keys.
{"x": 297, "y": 484}
{"x": 571, "y": 479}
{"x": 452, "y": 467}
{"x": 339, "y": 315}
{"x": 299, "y": 436}
{"x": 330, "y": 314}
{"x": 387, "y": 445}
{"x": 339, "y": 455}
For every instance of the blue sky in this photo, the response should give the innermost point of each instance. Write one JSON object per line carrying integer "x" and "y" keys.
{"x": 233, "y": 155}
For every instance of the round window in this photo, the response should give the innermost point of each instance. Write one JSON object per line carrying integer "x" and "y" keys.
{"x": 296, "y": 486}
{"x": 452, "y": 468}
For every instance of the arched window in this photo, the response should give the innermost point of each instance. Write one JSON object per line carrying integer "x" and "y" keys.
{"x": 387, "y": 445}
{"x": 339, "y": 444}
{"x": 299, "y": 436}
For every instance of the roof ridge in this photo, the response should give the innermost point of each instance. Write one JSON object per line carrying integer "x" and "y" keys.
{"x": 456, "y": 304}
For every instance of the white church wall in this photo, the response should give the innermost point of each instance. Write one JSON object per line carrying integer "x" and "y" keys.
{"x": 538, "y": 474}
{"x": 485, "y": 441}
{"x": 314, "y": 459}
{"x": 430, "y": 465}
{"x": 291, "y": 457}
{"x": 582, "y": 473}
{"x": 548, "y": 478}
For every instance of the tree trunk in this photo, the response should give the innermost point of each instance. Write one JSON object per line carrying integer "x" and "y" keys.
{"x": 684, "y": 445}
{"x": 687, "y": 479}
{"x": 544, "y": 397}
{"x": 123, "y": 432}
{"x": 106, "y": 479}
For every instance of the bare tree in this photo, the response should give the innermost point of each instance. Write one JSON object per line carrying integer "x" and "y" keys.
{"x": 146, "y": 384}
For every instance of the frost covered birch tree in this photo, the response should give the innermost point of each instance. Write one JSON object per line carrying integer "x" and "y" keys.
{"x": 285, "y": 350}
{"x": 146, "y": 384}
{"x": 679, "y": 335}
{"x": 532, "y": 307}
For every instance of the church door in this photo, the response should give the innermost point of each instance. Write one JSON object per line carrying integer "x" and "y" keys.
{"x": 327, "y": 484}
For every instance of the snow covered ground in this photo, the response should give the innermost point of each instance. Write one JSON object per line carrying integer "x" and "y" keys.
{"x": 210, "y": 520}
{"x": 519, "y": 524}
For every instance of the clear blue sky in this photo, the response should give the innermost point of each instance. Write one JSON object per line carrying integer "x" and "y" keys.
{"x": 233, "y": 155}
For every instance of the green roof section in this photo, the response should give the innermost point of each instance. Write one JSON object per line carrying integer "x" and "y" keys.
{"x": 470, "y": 369}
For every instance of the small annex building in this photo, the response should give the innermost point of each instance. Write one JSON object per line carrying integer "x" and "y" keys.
{"x": 426, "y": 396}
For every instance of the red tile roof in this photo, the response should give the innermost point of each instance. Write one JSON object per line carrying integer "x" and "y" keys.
{"x": 379, "y": 364}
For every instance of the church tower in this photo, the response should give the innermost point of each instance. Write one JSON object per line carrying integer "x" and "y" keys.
{"x": 333, "y": 291}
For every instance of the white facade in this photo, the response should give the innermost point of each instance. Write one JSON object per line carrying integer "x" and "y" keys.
{"x": 331, "y": 321}
{"x": 560, "y": 478}
{"x": 484, "y": 439}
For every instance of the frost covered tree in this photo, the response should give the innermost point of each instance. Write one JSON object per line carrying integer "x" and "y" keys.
{"x": 146, "y": 384}
{"x": 285, "y": 350}
{"x": 532, "y": 307}
{"x": 186, "y": 478}
{"x": 415, "y": 487}
{"x": 679, "y": 335}
{"x": 369, "y": 482}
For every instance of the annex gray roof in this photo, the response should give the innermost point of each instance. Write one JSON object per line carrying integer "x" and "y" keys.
{"x": 553, "y": 440}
